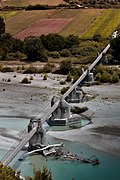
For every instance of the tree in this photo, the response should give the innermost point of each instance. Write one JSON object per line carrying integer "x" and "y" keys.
{"x": 53, "y": 42}
{"x": 8, "y": 173}
{"x": 33, "y": 48}
{"x": 66, "y": 66}
{"x": 2, "y": 25}
{"x": 72, "y": 41}
{"x": 115, "y": 47}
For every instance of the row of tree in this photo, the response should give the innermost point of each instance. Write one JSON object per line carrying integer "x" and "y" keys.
{"x": 34, "y": 47}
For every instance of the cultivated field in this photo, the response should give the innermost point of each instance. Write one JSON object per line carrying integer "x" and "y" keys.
{"x": 8, "y": 14}
{"x": 24, "y": 19}
{"x": 82, "y": 21}
{"x": 105, "y": 24}
{"x": 43, "y": 2}
{"x": 17, "y": 3}
{"x": 43, "y": 26}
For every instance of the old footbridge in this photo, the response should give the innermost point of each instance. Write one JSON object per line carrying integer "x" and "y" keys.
{"x": 59, "y": 111}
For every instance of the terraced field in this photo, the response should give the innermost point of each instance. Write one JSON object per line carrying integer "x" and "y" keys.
{"x": 105, "y": 24}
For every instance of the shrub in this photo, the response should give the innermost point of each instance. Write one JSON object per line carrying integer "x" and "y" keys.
{"x": 66, "y": 66}
{"x": 115, "y": 78}
{"x": 30, "y": 70}
{"x": 106, "y": 77}
{"x": 7, "y": 69}
{"x": 48, "y": 68}
{"x": 98, "y": 77}
{"x": 25, "y": 81}
{"x": 69, "y": 77}
{"x": 31, "y": 78}
{"x": 65, "y": 53}
{"x": 62, "y": 82}
{"x": 45, "y": 77}
{"x": 78, "y": 110}
{"x": 54, "y": 54}
{"x": 9, "y": 80}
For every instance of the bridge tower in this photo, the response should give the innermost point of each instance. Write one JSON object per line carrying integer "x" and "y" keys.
{"x": 61, "y": 114}
{"x": 38, "y": 138}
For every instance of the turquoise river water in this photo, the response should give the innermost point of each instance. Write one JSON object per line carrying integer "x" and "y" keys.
{"x": 108, "y": 169}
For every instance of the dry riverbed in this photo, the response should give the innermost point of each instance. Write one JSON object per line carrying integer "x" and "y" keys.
{"x": 34, "y": 99}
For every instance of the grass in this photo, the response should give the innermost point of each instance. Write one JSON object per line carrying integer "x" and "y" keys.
{"x": 24, "y": 19}
{"x": 105, "y": 24}
{"x": 8, "y": 14}
{"x": 81, "y": 22}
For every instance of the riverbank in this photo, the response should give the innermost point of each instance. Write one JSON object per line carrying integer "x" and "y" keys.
{"x": 34, "y": 99}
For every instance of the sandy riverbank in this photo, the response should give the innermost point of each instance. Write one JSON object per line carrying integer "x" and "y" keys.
{"x": 34, "y": 99}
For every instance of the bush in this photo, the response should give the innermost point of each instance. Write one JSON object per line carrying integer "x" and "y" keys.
{"x": 69, "y": 77}
{"x": 65, "y": 53}
{"x": 48, "y": 68}
{"x": 54, "y": 54}
{"x": 62, "y": 82}
{"x": 78, "y": 110}
{"x": 45, "y": 77}
{"x": 7, "y": 69}
{"x": 66, "y": 66}
{"x": 31, "y": 78}
{"x": 106, "y": 77}
{"x": 25, "y": 81}
{"x": 31, "y": 70}
{"x": 115, "y": 78}
{"x": 97, "y": 37}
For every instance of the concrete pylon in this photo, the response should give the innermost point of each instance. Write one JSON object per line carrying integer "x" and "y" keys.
{"x": 75, "y": 96}
{"x": 61, "y": 114}
{"x": 37, "y": 138}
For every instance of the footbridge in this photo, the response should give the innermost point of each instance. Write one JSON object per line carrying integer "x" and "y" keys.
{"x": 27, "y": 136}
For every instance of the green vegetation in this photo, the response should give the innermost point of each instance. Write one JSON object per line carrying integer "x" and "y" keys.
{"x": 78, "y": 110}
{"x": 105, "y": 74}
{"x": 7, "y": 173}
{"x": 104, "y": 25}
{"x": 25, "y": 81}
{"x": 8, "y": 14}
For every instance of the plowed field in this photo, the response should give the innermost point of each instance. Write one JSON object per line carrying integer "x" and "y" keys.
{"x": 43, "y": 26}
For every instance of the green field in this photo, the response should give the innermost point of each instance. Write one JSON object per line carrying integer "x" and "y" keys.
{"x": 104, "y": 25}
{"x": 8, "y": 14}
{"x": 82, "y": 21}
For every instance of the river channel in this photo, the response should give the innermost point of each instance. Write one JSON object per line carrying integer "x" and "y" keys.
{"x": 65, "y": 170}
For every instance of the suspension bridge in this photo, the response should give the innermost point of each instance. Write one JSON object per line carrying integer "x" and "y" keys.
{"x": 9, "y": 156}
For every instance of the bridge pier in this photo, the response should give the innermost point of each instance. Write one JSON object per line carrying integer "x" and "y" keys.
{"x": 38, "y": 138}
{"x": 75, "y": 96}
{"x": 62, "y": 115}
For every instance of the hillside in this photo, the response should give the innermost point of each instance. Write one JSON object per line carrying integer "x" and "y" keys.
{"x": 62, "y": 21}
